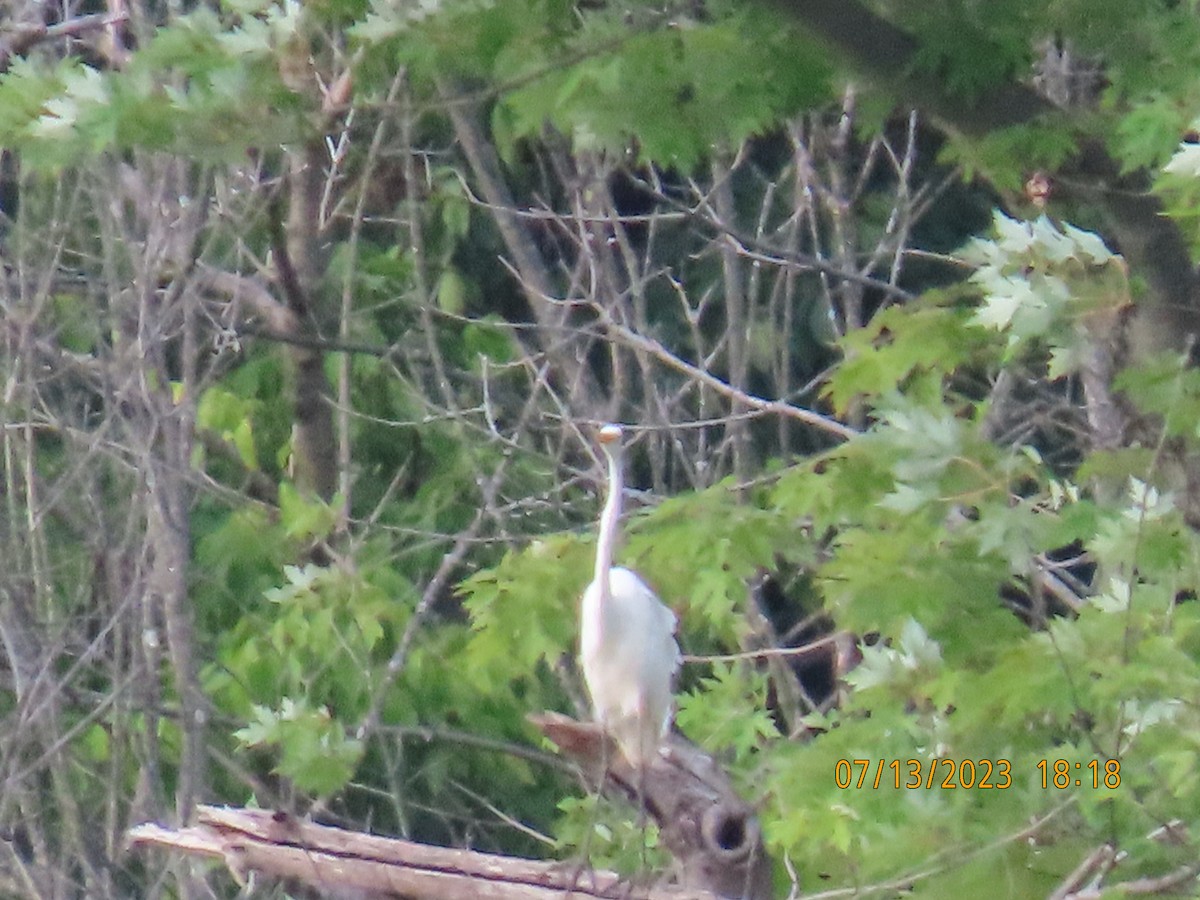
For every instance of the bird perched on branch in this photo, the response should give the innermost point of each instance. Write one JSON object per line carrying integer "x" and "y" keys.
{"x": 627, "y": 638}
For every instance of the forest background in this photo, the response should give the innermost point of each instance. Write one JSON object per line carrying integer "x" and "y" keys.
{"x": 310, "y": 312}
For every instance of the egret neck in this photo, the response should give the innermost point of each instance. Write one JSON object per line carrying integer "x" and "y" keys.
{"x": 610, "y": 443}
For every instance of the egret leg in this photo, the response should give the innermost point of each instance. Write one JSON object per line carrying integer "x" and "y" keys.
{"x": 585, "y": 846}
{"x": 647, "y": 752}
{"x": 643, "y": 817}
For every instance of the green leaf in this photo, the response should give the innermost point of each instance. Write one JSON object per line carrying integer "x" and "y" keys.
{"x": 452, "y": 292}
{"x": 303, "y": 517}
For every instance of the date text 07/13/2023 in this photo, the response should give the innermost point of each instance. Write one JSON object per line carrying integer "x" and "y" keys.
{"x": 970, "y": 774}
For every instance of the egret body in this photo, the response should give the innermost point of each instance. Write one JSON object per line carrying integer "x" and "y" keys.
{"x": 627, "y": 639}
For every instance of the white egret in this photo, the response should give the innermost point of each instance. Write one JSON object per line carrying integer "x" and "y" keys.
{"x": 627, "y": 637}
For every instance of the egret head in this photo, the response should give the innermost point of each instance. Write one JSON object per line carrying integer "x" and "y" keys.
{"x": 609, "y": 434}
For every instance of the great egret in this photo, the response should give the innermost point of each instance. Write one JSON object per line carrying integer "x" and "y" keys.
{"x": 627, "y": 638}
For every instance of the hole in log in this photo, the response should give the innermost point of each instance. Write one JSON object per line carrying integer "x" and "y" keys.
{"x": 725, "y": 830}
{"x": 730, "y": 834}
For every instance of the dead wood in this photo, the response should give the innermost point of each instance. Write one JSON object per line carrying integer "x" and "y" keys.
{"x": 713, "y": 835}
{"x": 344, "y": 863}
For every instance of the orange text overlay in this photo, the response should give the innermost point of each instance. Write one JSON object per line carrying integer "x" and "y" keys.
{"x": 1094, "y": 773}
{"x": 923, "y": 774}
{"x": 971, "y": 774}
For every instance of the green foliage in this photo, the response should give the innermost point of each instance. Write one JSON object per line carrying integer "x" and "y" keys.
{"x": 728, "y": 711}
{"x": 930, "y": 523}
{"x": 1165, "y": 386}
{"x": 387, "y": 20}
{"x": 518, "y": 626}
{"x": 935, "y": 338}
{"x": 303, "y": 517}
{"x": 199, "y": 87}
{"x": 613, "y": 840}
{"x": 706, "y": 572}
{"x": 673, "y": 93}
{"x": 230, "y": 416}
{"x": 699, "y": 551}
{"x": 319, "y": 625}
{"x": 1007, "y": 156}
{"x": 314, "y": 750}
{"x": 988, "y": 44}
{"x": 240, "y": 553}
{"x": 1039, "y": 281}
{"x": 1148, "y": 135}
{"x": 916, "y": 532}
{"x": 956, "y": 676}
{"x": 1179, "y": 182}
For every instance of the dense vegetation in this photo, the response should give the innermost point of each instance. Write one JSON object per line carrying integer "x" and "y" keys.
{"x": 309, "y": 314}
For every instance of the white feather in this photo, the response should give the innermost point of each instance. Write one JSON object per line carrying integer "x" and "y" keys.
{"x": 630, "y": 658}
